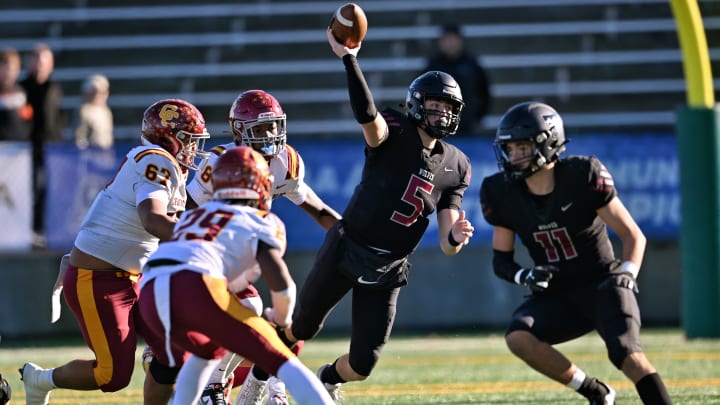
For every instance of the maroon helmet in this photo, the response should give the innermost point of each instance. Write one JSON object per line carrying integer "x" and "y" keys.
{"x": 241, "y": 173}
{"x": 257, "y": 120}
{"x": 178, "y": 127}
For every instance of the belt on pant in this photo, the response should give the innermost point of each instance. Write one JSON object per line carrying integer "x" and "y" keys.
{"x": 162, "y": 262}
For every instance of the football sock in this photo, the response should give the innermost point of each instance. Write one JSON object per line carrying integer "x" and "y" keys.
{"x": 577, "y": 379}
{"x": 48, "y": 376}
{"x": 330, "y": 375}
{"x": 260, "y": 374}
{"x": 652, "y": 390}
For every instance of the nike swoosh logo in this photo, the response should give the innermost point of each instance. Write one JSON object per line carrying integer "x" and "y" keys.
{"x": 566, "y": 207}
{"x": 448, "y": 169}
{"x": 361, "y": 280}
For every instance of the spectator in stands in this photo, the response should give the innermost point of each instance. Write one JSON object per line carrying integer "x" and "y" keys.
{"x": 94, "y": 120}
{"x": 453, "y": 58}
{"x": 15, "y": 113}
{"x": 45, "y": 96}
{"x": 560, "y": 209}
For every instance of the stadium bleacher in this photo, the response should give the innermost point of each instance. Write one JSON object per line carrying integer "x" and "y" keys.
{"x": 606, "y": 65}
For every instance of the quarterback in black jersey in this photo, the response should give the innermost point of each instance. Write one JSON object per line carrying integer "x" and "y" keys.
{"x": 409, "y": 173}
{"x": 560, "y": 209}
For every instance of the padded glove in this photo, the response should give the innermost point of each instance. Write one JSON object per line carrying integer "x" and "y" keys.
{"x": 538, "y": 278}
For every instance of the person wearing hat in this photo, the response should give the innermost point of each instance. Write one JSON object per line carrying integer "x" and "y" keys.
{"x": 94, "y": 126}
{"x": 454, "y": 58}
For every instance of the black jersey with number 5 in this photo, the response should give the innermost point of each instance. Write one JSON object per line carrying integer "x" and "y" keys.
{"x": 561, "y": 228}
{"x": 402, "y": 184}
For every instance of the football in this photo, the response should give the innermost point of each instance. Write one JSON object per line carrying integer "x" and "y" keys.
{"x": 349, "y": 25}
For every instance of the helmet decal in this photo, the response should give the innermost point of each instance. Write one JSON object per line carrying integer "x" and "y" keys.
{"x": 167, "y": 114}
{"x": 178, "y": 127}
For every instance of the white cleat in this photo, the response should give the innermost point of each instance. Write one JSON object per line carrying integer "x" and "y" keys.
{"x": 37, "y": 388}
{"x": 332, "y": 389}
{"x": 276, "y": 392}
{"x": 252, "y": 391}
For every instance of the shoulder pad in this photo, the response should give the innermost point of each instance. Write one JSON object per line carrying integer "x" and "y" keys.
{"x": 293, "y": 162}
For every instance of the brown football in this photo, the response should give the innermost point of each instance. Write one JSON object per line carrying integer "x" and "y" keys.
{"x": 349, "y": 25}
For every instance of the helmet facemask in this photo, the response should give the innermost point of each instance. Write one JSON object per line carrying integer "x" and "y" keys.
{"x": 447, "y": 123}
{"x": 192, "y": 153}
{"x": 520, "y": 168}
{"x": 266, "y": 134}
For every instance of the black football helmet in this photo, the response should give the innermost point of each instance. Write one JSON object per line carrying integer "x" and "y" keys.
{"x": 535, "y": 122}
{"x": 439, "y": 86}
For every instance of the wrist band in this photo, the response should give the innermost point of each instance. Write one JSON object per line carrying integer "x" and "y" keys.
{"x": 452, "y": 240}
{"x": 630, "y": 267}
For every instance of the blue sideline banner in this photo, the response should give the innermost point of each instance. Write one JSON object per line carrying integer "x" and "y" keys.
{"x": 16, "y": 200}
{"x": 645, "y": 168}
{"x": 74, "y": 178}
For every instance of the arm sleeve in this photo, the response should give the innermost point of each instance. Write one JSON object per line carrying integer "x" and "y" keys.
{"x": 504, "y": 265}
{"x": 361, "y": 98}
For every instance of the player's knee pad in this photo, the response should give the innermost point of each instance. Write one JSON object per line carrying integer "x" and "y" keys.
{"x": 163, "y": 374}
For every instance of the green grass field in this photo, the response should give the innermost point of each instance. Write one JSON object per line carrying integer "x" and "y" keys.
{"x": 446, "y": 368}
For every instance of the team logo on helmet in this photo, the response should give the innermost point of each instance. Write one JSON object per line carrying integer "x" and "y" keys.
{"x": 167, "y": 114}
{"x": 178, "y": 127}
